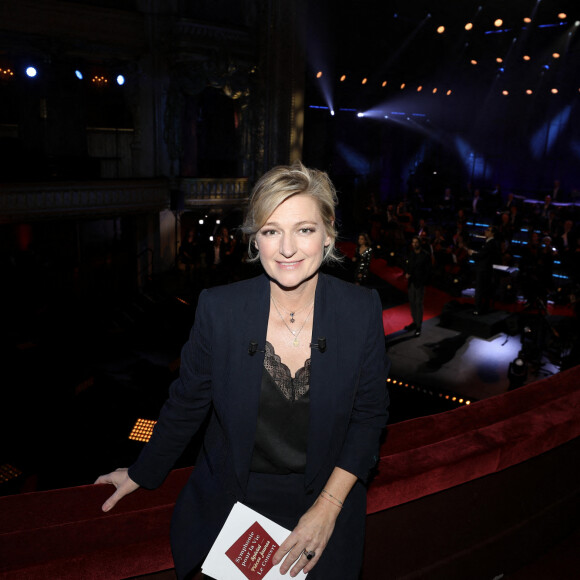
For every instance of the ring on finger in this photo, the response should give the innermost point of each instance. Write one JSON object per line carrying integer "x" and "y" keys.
{"x": 309, "y": 554}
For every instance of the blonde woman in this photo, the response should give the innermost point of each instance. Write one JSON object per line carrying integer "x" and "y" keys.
{"x": 291, "y": 367}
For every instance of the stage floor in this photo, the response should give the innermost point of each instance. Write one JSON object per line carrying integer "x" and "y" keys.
{"x": 454, "y": 361}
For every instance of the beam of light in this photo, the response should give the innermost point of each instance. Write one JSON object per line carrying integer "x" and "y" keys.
{"x": 404, "y": 46}
{"x": 318, "y": 61}
{"x": 359, "y": 164}
{"x": 545, "y": 137}
{"x": 31, "y": 72}
{"x": 474, "y": 163}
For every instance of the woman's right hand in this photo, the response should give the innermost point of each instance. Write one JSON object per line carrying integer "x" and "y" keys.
{"x": 121, "y": 480}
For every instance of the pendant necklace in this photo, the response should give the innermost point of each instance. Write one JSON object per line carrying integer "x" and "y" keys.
{"x": 294, "y": 333}
{"x": 292, "y": 319}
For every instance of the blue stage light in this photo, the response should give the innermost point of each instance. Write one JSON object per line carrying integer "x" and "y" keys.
{"x": 120, "y": 80}
{"x": 31, "y": 72}
{"x": 79, "y": 75}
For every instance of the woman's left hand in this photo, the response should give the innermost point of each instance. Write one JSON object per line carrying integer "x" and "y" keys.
{"x": 311, "y": 535}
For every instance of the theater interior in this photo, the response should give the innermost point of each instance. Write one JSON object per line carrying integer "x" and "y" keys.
{"x": 131, "y": 134}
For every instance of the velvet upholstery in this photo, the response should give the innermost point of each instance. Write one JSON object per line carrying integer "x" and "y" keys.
{"x": 63, "y": 533}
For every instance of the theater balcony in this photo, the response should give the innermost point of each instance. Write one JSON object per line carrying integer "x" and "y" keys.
{"x": 86, "y": 199}
{"x": 488, "y": 490}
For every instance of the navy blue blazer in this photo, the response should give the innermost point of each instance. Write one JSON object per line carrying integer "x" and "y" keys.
{"x": 348, "y": 401}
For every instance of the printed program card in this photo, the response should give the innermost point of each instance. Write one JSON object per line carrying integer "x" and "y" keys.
{"x": 245, "y": 547}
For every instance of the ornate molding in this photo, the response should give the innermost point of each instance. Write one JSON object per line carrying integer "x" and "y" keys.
{"x": 32, "y": 202}
{"x": 198, "y": 32}
{"x": 209, "y": 192}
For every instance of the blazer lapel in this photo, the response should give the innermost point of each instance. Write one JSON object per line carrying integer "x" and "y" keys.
{"x": 323, "y": 375}
{"x": 246, "y": 377}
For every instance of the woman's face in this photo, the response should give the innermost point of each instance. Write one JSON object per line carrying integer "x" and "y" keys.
{"x": 291, "y": 243}
{"x": 361, "y": 241}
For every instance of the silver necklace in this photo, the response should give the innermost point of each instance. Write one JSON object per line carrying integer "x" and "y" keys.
{"x": 291, "y": 313}
{"x": 294, "y": 333}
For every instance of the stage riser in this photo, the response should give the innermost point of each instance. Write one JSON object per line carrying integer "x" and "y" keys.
{"x": 460, "y": 317}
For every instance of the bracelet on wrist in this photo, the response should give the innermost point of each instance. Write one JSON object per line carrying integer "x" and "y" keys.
{"x": 330, "y": 501}
{"x": 335, "y": 498}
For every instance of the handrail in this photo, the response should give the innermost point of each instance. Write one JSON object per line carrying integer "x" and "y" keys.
{"x": 63, "y": 533}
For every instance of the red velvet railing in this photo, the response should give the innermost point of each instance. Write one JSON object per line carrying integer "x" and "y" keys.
{"x": 63, "y": 534}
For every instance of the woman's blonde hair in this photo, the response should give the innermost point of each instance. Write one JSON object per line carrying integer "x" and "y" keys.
{"x": 282, "y": 182}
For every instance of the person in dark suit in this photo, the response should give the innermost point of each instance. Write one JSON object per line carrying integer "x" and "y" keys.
{"x": 485, "y": 258}
{"x": 291, "y": 368}
{"x": 417, "y": 272}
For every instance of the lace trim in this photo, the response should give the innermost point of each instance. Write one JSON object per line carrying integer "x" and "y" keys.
{"x": 291, "y": 388}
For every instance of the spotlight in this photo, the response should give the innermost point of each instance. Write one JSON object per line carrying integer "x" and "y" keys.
{"x": 79, "y": 75}
{"x": 473, "y": 62}
{"x": 359, "y": 115}
{"x": 342, "y": 78}
{"x": 218, "y": 222}
{"x": 517, "y": 372}
{"x": 200, "y": 222}
{"x": 318, "y": 74}
{"x": 556, "y": 55}
{"x": 120, "y": 80}
{"x": 469, "y": 26}
{"x": 441, "y": 29}
{"x": 332, "y": 112}
{"x": 384, "y": 84}
{"x": 554, "y": 91}
{"x": 31, "y": 72}
{"x": 526, "y": 57}
{"x": 562, "y": 15}
{"x": 364, "y": 81}
{"x": 497, "y": 23}
{"x": 99, "y": 80}
{"x": 8, "y": 472}
{"x": 142, "y": 430}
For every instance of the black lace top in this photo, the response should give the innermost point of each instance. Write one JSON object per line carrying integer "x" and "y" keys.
{"x": 282, "y": 429}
